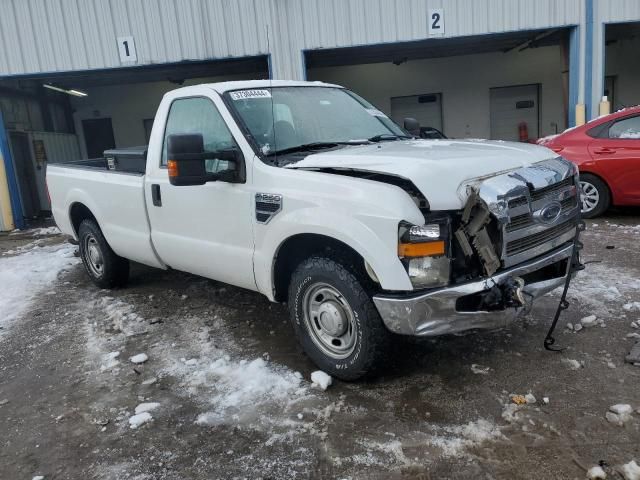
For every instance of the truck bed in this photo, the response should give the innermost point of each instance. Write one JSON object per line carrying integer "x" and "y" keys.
{"x": 100, "y": 164}
{"x": 128, "y": 160}
{"x": 115, "y": 198}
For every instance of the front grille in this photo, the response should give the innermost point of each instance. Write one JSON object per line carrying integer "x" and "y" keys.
{"x": 525, "y": 235}
{"x": 520, "y": 245}
{"x": 551, "y": 189}
{"x": 526, "y": 219}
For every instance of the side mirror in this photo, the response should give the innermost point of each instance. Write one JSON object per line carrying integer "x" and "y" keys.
{"x": 412, "y": 126}
{"x": 187, "y": 161}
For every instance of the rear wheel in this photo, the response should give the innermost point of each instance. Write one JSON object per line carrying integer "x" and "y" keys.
{"x": 106, "y": 269}
{"x": 595, "y": 196}
{"x": 335, "y": 320}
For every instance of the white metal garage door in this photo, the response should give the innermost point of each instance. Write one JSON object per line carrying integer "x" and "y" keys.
{"x": 511, "y": 106}
{"x": 426, "y": 109}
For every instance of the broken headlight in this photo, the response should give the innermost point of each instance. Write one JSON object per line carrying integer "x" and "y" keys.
{"x": 423, "y": 251}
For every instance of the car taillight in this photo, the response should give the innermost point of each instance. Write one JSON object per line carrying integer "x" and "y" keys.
{"x": 555, "y": 148}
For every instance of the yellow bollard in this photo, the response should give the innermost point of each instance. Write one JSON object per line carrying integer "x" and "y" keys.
{"x": 580, "y": 114}
{"x": 605, "y": 106}
{"x": 5, "y": 201}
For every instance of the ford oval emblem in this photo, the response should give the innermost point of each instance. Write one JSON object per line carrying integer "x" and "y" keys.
{"x": 549, "y": 213}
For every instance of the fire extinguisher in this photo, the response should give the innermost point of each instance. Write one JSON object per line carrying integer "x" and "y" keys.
{"x": 523, "y": 132}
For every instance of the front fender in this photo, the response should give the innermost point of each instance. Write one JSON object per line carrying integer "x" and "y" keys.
{"x": 374, "y": 238}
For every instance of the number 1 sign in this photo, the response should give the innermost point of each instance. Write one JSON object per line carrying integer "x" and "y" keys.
{"x": 127, "y": 50}
{"x": 436, "y": 21}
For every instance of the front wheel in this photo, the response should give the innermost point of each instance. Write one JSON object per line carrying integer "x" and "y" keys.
{"x": 335, "y": 319}
{"x": 595, "y": 196}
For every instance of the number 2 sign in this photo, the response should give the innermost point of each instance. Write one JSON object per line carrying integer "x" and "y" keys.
{"x": 127, "y": 50}
{"x": 436, "y": 21}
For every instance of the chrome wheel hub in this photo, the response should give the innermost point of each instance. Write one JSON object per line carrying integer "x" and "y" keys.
{"x": 590, "y": 196}
{"x": 329, "y": 320}
{"x": 93, "y": 256}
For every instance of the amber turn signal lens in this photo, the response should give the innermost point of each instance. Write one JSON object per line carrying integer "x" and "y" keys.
{"x": 423, "y": 249}
{"x": 172, "y": 166}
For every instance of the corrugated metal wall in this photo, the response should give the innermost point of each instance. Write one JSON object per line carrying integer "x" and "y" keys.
{"x": 607, "y": 11}
{"x": 60, "y": 35}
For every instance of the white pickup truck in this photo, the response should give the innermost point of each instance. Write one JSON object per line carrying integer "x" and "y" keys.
{"x": 308, "y": 194}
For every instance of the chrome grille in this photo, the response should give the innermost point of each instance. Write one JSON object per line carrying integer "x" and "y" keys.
{"x": 526, "y": 219}
{"x": 522, "y": 244}
{"x": 527, "y": 233}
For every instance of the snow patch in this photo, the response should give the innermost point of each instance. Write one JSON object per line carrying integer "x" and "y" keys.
{"x": 41, "y": 232}
{"x": 136, "y": 421}
{"x": 242, "y": 386}
{"x": 26, "y": 275}
{"x": 146, "y": 407}
{"x": 321, "y": 379}
{"x": 596, "y": 473}
{"x": 466, "y": 436}
{"x": 572, "y": 364}
{"x": 479, "y": 369}
{"x": 631, "y": 470}
{"x": 139, "y": 358}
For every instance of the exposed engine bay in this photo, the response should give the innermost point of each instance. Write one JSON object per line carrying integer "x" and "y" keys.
{"x": 473, "y": 234}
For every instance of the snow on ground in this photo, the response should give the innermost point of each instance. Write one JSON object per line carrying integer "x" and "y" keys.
{"x": 598, "y": 288}
{"x": 25, "y": 276}
{"x": 37, "y": 232}
{"x": 136, "y": 421}
{"x": 233, "y": 387}
{"x": 455, "y": 440}
{"x": 631, "y": 470}
{"x": 41, "y": 232}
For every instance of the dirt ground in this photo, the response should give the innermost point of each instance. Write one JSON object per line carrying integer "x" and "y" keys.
{"x": 441, "y": 409}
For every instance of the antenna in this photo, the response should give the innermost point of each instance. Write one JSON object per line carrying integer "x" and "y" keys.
{"x": 273, "y": 116}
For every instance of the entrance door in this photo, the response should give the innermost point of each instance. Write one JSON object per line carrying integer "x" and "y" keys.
{"x": 25, "y": 171}
{"x": 98, "y": 136}
{"x": 426, "y": 109}
{"x": 511, "y": 106}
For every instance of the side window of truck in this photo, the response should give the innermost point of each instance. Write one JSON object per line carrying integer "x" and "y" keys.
{"x": 200, "y": 115}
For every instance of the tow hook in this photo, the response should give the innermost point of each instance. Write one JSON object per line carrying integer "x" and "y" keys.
{"x": 513, "y": 292}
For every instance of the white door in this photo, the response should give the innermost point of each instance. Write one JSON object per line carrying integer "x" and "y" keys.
{"x": 426, "y": 109}
{"x": 511, "y": 106}
{"x": 202, "y": 229}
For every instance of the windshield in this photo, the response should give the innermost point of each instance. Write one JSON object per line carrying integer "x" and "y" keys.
{"x": 309, "y": 116}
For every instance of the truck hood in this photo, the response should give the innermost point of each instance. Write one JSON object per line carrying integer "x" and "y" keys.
{"x": 436, "y": 167}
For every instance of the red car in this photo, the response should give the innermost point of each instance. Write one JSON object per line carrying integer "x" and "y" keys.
{"x": 607, "y": 151}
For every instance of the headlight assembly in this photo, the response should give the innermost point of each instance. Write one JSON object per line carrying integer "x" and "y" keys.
{"x": 423, "y": 251}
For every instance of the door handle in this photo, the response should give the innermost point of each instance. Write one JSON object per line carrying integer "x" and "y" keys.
{"x": 604, "y": 150}
{"x": 156, "y": 196}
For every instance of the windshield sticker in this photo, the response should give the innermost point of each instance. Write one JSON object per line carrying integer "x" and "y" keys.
{"x": 376, "y": 113}
{"x": 244, "y": 94}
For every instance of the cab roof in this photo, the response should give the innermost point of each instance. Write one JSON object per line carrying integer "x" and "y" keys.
{"x": 223, "y": 87}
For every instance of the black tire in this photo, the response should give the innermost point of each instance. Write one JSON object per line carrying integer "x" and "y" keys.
{"x": 371, "y": 340}
{"x": 114, "y": 270}
{"x": 598, "y": 192}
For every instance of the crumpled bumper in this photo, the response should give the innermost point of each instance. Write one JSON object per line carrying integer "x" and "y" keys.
{"x": 435, "y": 312}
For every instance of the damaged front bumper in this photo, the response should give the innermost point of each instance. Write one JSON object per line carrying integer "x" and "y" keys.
{"x": 444, "y": 311}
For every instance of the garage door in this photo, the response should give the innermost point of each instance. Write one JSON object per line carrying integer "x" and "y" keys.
{"x": 427, "y": 109}
{"x": 511, "y": 106}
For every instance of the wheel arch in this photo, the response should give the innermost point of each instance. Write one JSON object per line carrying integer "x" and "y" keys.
{"x": 78, "y": 212}
{"x": 296, "y": 248}
{"x": 603, "y": 179}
